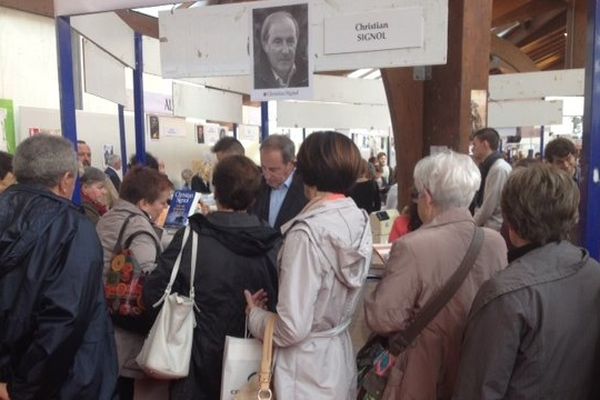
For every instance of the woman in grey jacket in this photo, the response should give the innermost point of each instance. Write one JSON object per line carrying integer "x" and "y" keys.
{"x": 144, "y": 194}
{"x": 534, "y": 327}
{"x": 323, "y": 265}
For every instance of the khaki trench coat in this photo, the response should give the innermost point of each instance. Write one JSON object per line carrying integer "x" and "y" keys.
{"x": 420, "y": 263}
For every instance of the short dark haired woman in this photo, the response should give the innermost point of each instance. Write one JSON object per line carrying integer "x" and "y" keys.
{"x": 236, "y": 251}
{"x": 323, "y": 265}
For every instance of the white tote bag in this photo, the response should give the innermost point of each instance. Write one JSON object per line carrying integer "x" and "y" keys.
{"x": 244, "y": 362}
{"x": 167, "y": 349}
{"x": 241, "y": 361}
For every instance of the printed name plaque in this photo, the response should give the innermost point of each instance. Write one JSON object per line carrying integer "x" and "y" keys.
{"x": 397, "y": 28}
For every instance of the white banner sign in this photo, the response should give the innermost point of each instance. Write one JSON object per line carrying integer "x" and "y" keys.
{"x": 154, "y": 103}
{"x": 73, "y": 7}
{"x": 398, "y": 29}
{"x": 172, "y": 127}
{"x": 104, "y": 76}
{"x": 248, "y": 133}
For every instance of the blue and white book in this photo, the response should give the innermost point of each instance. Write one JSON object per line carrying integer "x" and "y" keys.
{"x": 184, "y": 204}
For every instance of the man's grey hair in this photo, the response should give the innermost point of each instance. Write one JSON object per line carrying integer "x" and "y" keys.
{"x": 44, "y": 160}
{"x": 113, "y": 159}
{"x": 281, "y": 143}
{"x": 277, "y": 16}
{"x": 451, "y": 179}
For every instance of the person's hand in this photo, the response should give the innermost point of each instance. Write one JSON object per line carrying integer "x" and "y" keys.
{"x": 258, "y": 299}
{"x": 3, "y": 391}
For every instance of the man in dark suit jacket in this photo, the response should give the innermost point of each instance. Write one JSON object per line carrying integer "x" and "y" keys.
{"x": 281, "y": 197}
{"x": 114, "y": 165}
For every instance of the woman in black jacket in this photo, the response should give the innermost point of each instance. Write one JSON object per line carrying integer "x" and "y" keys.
{"x": 365, "y": 192}
{"x": 235, "y": 252}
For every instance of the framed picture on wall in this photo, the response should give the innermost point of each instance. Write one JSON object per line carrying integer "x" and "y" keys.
{"x": 154, "y": 127}
{"x": 200, "y": 134}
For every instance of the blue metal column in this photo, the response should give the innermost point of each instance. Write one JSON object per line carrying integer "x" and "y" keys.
{"x": 590, "y": 179}
{"x": 66, "y": 85}
{"x": 122, "y": 139}
{"x": 264, "y": 120}
{"x": 138, "y": 101}
{"x": 235, "y": 128}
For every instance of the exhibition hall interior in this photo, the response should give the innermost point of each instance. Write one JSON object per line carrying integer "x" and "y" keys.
{"x": 299, "y": 199}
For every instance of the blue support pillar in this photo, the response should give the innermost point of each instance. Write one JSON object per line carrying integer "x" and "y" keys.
{"x": 66, "y": 85}
{"x": 590, "y": 179}
{"x": 235, "y": 128}
{"x": 138, "y": 101}
{"x": 122, "y": 139}
{"x": 264, "y": 120}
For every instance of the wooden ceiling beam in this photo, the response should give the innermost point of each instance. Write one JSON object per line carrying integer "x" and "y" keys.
{"x": 557, "y": 33}
{"x": 526, "y": 31}
{"x": 526, "y": 10}
{"x": 511, "y": 55}
{"x": 39, "y": 7}
{"x": 548, "y": 48}
{"x": 576, "y": 51}
{"x": 141, "y": 23}
{"x": 551, "y": 60}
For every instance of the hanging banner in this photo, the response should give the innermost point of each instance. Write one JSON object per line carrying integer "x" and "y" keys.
{"x": 70, "y": 7}
{"x": 281, "y": 66}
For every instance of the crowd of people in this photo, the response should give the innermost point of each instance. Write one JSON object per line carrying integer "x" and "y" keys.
{"x": 290, "y": 240}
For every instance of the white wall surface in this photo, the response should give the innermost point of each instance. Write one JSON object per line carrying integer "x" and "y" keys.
{"x": 28, "y": 66}
{"x": 101, "y": 129}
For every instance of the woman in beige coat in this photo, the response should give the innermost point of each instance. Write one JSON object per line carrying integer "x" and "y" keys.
{"x": 144, "y": 194}
{"x": 420, "y": 264}
{"x": 323, "y": 265}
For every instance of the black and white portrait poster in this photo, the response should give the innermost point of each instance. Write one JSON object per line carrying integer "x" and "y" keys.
{"x": 281, "y": 66}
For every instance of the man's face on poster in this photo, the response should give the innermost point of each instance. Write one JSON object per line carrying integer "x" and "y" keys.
{"x": 280, "y": 45}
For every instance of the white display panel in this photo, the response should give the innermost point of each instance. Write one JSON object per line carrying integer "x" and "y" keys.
{"x": 510, "y": 114}
{"x": 110, "y": 33}
{"x": 334, "y": 89}
{"x": 104, "y": 76}
{"x": 151, "y": 49}
{"x": 213, "y": 41}
{"x": 338, "y": 116}
{"x": 200, "y": 102}
{"x": 205, "y": 41}
{"x": 531, "y": 85}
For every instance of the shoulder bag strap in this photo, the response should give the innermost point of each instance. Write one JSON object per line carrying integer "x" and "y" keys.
{"x": 186, "y": 234}
{"x": 129, "y": 240}
{"x": 118, "y": 248}
{"x": 401, "y": 340}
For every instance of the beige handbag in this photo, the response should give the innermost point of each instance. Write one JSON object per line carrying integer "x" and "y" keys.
{"x": 259, "y": 387}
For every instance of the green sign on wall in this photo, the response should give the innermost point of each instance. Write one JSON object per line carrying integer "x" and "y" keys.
{"x": 7, "y": 126}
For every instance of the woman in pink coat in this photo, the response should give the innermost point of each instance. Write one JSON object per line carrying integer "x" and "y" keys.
{"x": 420, "y": 264}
